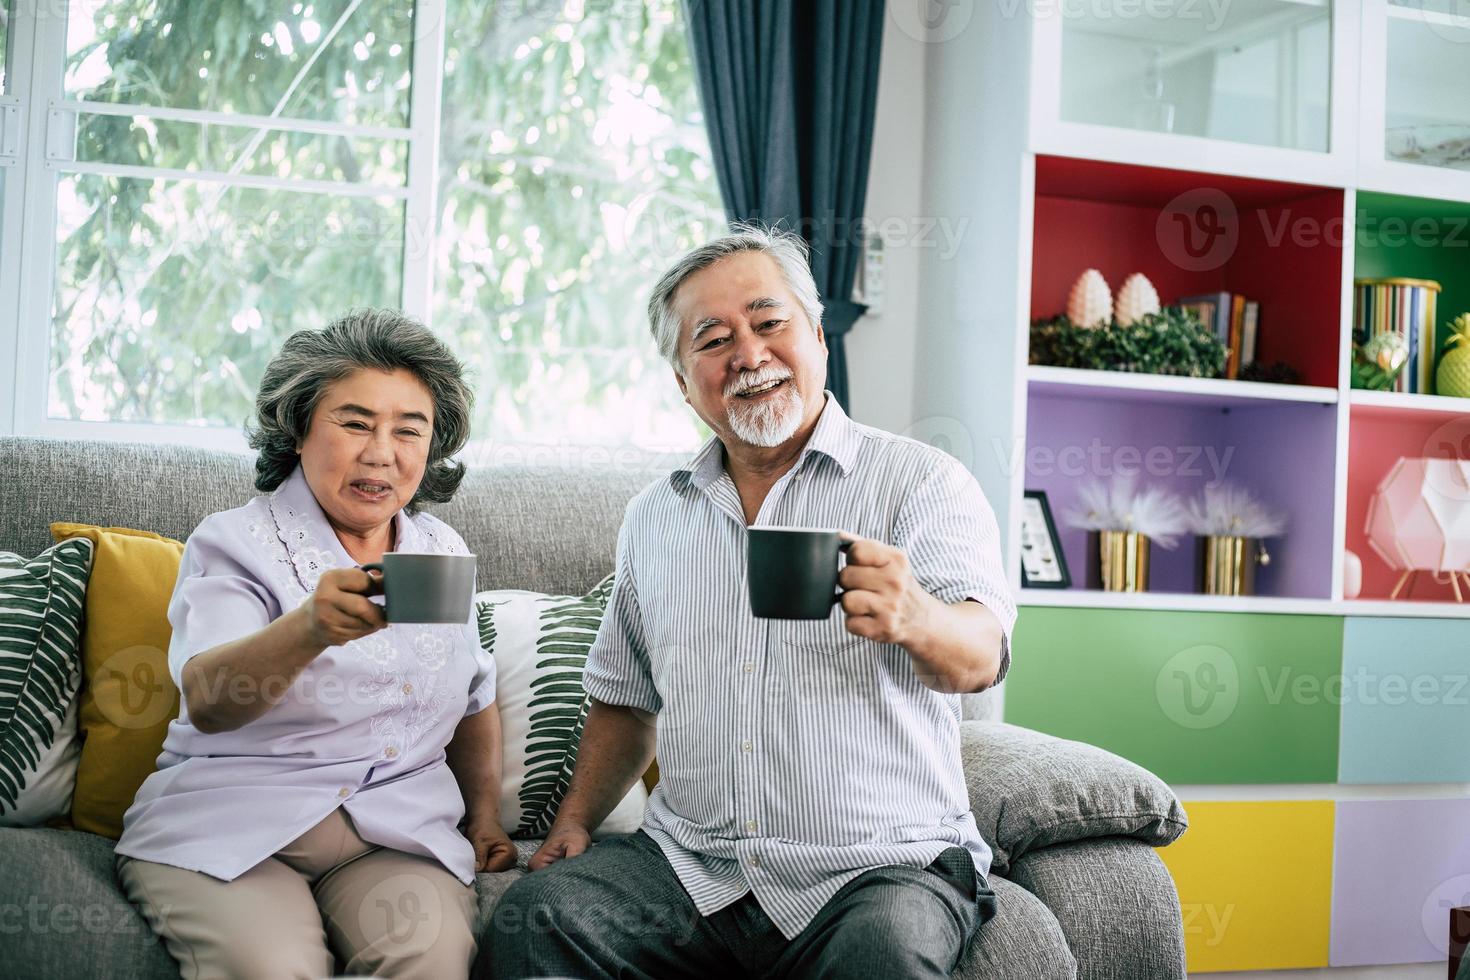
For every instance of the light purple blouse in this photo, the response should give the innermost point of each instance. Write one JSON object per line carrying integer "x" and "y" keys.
{"x": 363, "y": 727}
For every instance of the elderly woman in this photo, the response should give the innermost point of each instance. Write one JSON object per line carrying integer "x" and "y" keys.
{"x": 309, "y": 797}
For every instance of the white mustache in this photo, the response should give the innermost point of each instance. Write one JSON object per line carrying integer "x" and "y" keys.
{"x": 749, "y": 380}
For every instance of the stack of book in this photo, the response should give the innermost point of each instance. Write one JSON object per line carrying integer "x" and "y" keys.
{"x": 1234, "y": 319}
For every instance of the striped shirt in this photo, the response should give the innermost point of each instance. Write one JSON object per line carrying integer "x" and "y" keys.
{"x": 794, "y": 755}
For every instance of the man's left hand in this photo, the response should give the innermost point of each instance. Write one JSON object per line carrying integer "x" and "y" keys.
{"x": 881, "y": 598}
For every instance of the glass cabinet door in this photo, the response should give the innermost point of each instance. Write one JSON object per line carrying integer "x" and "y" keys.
{"x": 1427, "y": 117}
{"x": 1250, "y": 71}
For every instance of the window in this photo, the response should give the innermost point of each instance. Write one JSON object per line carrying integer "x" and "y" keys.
{"x": 188, "y": 245}
{"x": 223, "y": 174}
{"x": 574, "y": 168}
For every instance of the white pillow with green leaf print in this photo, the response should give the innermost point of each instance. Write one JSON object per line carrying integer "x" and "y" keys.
{"x": 540, "y": 645}
{"x": 41, "y": 604}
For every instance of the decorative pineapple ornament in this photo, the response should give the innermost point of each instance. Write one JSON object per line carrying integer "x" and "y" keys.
{"x": 1090, "y": 303}
{"x": 1453, "y": 377}
{"x": 1137, "y": 299}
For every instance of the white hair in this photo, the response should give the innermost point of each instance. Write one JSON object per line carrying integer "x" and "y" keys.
{"x": 788, "y": 250}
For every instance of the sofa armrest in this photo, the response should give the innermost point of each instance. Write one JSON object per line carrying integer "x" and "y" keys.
{"x": 1030, "y": 790}
{"x": 1116, "y": 904}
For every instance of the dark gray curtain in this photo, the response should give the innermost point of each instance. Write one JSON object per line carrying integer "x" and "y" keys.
{"x": 789, "y": 88}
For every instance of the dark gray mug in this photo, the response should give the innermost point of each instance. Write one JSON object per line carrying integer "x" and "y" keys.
{"x": 792, "y": 571}
{"x": 427, "y": 588}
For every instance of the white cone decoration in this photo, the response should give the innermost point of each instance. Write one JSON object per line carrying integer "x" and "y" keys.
{"x": 1137, "y": 299}
{"x": 1090, "y": 302}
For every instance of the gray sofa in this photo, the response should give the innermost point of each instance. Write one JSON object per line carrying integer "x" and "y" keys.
{"x": 1077, "y": 897}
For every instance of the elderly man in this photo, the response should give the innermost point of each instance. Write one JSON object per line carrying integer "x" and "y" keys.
{"x": 812, "y": 818}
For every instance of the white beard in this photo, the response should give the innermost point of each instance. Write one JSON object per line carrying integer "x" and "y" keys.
{"x": 768, "y": 423}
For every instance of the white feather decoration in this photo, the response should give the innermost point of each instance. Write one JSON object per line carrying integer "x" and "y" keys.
{"x": 1233, "y": 510}
{"x": 1137, "y": 299}
{"x": 1121, "y": 506}
{"x": 1090, "y": 303}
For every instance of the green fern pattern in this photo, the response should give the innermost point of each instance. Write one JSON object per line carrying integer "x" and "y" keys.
{"x": 41, "y": 606}
{"x": 559, "y": 703}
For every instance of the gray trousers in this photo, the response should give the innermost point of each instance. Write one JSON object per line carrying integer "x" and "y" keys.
{"x": 619, "y": 911}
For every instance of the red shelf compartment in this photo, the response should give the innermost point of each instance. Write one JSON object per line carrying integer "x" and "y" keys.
{"x": 1281, "y": 246}
{"x": 1377, "y": 437}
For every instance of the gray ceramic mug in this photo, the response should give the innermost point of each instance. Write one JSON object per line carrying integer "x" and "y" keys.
{"x": 426, "y": 588}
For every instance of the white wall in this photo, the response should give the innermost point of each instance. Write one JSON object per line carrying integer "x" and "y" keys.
{"x": 880, "y": 349}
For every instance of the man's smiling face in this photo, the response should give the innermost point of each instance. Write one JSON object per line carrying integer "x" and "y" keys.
{"x": 754, "y": 365}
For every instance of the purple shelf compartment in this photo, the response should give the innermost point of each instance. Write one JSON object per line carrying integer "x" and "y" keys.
{"x": 1282, "y": 450}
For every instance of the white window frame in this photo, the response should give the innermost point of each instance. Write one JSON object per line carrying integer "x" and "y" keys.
{"x": 28, "y": 221}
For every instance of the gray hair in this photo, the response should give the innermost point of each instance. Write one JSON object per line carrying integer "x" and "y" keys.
{"x": 788, "y": 250}
{"x": 384, "y": 340}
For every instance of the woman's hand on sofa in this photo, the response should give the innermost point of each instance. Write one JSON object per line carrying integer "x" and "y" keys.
{"x": 564, "y": 841}
{"x": 493, "y": 848}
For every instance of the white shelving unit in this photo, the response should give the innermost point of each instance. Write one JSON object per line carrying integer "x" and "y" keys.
{"x": 1170, "y": 389}
{"x": 1396, "y": 401}
{"x": 1351, "y": 157}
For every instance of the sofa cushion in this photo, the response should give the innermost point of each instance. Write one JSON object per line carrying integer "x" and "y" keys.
{"x": 1115, "y": 903}
{"x": 1022, "y": 939}
{"x": 41, "y": 602}
{"x": 540, "y": 644}
{"x": 128, "y": 697}
{"x": 62, "y": 914}
{"x": 1029, "y": 790}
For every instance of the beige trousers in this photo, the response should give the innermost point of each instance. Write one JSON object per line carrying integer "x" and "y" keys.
{"x": 383, "y": 912}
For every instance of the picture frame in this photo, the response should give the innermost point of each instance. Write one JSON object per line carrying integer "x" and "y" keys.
{"x": 1043, "y": 563}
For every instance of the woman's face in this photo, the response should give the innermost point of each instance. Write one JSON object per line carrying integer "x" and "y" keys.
{"x": 366, "y": 448}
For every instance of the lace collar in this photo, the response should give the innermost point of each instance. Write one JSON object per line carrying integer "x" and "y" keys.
{"x": 311, "y": 544}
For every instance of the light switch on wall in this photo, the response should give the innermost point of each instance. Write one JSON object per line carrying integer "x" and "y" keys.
{"x": 870, "y": 285}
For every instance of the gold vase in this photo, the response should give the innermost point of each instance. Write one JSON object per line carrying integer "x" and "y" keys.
{"x": 1227, "y": 564}
{"x": 1117, "y": 561}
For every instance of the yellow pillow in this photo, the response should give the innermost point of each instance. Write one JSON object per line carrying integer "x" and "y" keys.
{"x": 127, "y": 696}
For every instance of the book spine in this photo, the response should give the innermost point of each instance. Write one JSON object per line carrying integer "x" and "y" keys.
{"x": 1252, "y": 325}
{"x": 1237, "y": 316}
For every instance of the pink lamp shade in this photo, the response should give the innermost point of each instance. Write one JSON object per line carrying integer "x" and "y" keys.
{"x": 1419, "y": 517}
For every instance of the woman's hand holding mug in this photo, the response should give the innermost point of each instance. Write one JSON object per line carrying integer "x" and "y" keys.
{"x": 339, "y": 611}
